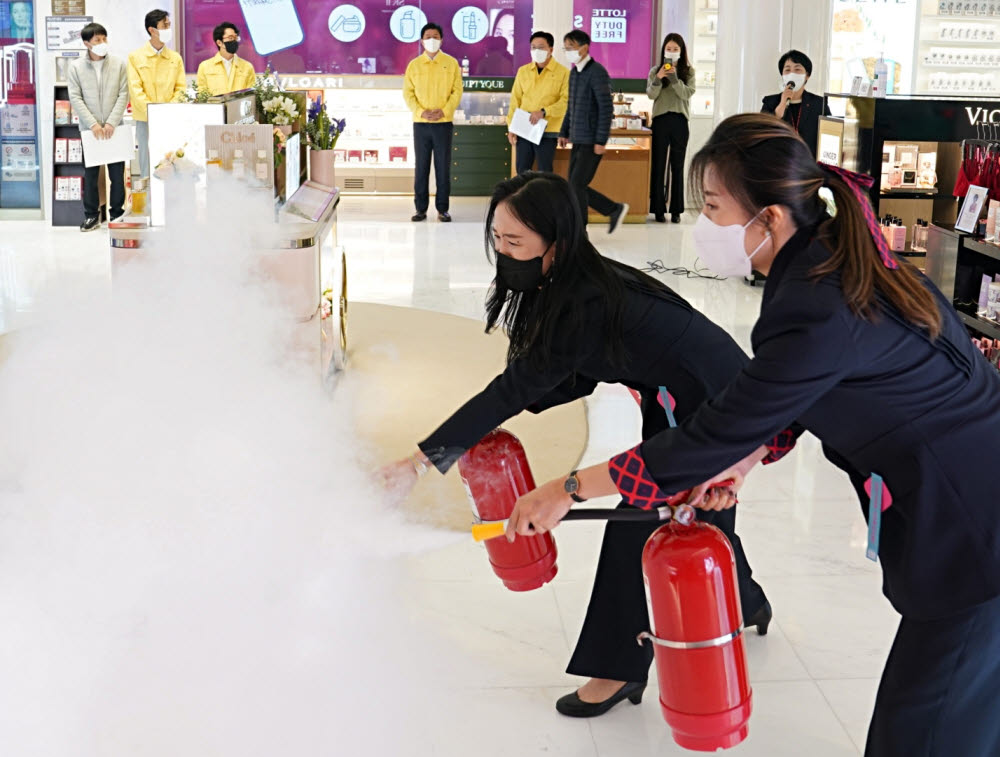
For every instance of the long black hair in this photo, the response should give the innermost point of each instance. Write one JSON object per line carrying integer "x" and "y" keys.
{"x": 683, "y": 64}
{"x": 579, "y": 278}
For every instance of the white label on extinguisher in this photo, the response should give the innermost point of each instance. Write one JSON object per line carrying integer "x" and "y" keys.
{"x": 472, "y": 500}
{"x": 649, "y": 599}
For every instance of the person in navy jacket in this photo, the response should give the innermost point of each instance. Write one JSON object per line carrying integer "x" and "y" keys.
{"x": 574, "y": 319}
{"x": 864, "y": 352}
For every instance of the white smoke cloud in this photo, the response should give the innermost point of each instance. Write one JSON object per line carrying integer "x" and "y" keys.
{"x": 192, "y": 557}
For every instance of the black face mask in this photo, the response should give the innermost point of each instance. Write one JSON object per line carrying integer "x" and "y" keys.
{"x": 520, "y": 275}
{"x": 232, "y": 47}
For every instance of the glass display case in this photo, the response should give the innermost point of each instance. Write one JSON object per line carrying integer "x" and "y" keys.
{"x": 703, "y": 55}
{"x": 375, "y": 152}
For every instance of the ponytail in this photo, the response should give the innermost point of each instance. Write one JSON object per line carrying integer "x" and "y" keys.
{"x": 863, "y": 274}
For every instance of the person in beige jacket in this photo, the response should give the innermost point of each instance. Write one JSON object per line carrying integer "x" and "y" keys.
{"x": 98, "y": 92}
{"x": 155, "y": 75}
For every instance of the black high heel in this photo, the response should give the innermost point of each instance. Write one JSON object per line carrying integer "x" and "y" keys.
{"x": 572, "y": 706}
{"x": 761, "y": 619}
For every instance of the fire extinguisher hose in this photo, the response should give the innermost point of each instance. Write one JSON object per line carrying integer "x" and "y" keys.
{"x": 684, "y": 514}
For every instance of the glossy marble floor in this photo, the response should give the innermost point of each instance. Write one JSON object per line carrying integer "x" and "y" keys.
{"x": 814, "y": 675}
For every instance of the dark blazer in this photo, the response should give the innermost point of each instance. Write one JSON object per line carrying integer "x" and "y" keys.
{"x": 813, "y": 106}
{"x": 667, "y": 343}
{"x": 882, "y": 398}
{"x": 591, "y": 109}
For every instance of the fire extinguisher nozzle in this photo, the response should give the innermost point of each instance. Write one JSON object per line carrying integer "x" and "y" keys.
{"x": 486, "y": 531}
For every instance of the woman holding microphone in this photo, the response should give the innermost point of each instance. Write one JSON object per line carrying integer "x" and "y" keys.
{"x": 864, "y": 352}
{"x": 574, "y": 319}
{"x": 670, "y": 86}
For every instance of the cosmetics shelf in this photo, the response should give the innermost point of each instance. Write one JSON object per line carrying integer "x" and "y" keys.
{"x": 983, "y": 326}
{"x": 983, "y": 248}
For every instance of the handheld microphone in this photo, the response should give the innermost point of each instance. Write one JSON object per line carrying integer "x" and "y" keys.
{"x": 790, "y": 85}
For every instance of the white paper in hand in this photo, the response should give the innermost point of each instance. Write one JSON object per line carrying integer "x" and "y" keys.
{"x": 101, "y": 152}
{"x": 521, "y": 125}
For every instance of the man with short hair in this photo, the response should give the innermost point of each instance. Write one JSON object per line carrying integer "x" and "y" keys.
{"x": 98, "y": 91}
{"x": 432, "y": 88}
{"x": 542, "y": 89}
{"x": 225, "y": 71}
{"x": 155, "y": 75}
{"x": 588, "y": 126}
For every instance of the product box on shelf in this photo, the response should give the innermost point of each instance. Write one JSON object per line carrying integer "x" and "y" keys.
{"x": 371, "y": 156}
{"x": 61, "y": 152}
{"x": 75, "y": 187}
{"x": 74, "y": 151}
{"x": 397, "y": 154}
{"x": 63, "y": 114}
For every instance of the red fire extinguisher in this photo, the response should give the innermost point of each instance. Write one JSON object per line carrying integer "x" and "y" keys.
{"x": 495, "y": 473}
{"x": 694, "y": 607}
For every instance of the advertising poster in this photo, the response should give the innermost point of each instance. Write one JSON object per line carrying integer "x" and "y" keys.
{"x": 621, "y": 34}
{"x": 18, "y": 161}
{"x": 862, "y": 30}
{"x": 489, "y": 38}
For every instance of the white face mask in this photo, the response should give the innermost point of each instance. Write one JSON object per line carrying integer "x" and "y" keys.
{"x": 722, "y": 248}
{"x": 100, "y": 50}
{"x": 432, "y": 45}
{"x": 540, "y": 56}
{"x": 670, "y": 57}
{"x": 799, "y": 80}
{"x": 166, "y": 35}
{"x": 572, "y": 57}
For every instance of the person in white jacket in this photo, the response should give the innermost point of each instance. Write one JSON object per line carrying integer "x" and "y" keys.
{"x": 98, "y": 92}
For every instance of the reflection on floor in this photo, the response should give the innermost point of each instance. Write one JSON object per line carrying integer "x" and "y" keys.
{"x": 814, "y": 674}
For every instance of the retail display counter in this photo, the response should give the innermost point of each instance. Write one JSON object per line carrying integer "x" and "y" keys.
{"x": 623, "y": 174}
{"x": 297, "y": 252}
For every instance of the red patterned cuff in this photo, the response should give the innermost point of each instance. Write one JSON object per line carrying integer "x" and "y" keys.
{"x": 780, "y": 446}
{"x": 637, "y": 487}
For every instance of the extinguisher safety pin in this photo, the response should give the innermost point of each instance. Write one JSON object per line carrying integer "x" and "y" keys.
{"x": 707, "y": 644}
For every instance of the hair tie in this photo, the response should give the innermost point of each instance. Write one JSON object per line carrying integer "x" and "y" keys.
{"x": 859, "y": 184}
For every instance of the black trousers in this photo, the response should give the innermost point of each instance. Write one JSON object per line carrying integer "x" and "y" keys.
{"x": 432, "y": 141}
{"x": 618, "y": 612}
{"x": 527, "y": 153}
{"x": 583, "y": 163}
{"x": 940, "y": 690}
{"x": 92, "y": 195}
{"x": 670, "y": 135}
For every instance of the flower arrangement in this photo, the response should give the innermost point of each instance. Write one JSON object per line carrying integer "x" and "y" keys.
{"x": 175, "y": 164}
{"x": 192, "y": 95}
{"x": 322, "y": 132}
{"x": 280, "y": 143}
{"x": 326, "y": 304}
{"x": 280, "y": 110}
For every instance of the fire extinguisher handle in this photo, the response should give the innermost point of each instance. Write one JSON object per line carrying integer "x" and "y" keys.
{"x": 629, "y": 514}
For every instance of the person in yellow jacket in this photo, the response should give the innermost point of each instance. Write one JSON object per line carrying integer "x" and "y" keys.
{"x": 541, "y": 88}
{"x": 432, "y": 88}
{"x": 226, "y": 72}
{"x": 155, "y": 75}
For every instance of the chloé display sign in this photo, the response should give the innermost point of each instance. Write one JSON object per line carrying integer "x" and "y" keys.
{"x": 244, "y": 151}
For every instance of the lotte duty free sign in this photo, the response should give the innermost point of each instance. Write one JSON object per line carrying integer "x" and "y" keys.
{"x": 620, "y": 33}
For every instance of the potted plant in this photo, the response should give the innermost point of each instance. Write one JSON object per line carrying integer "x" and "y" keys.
{"x": 322, "y": 133}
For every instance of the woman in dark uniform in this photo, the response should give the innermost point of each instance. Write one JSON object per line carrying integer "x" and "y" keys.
{"x": 574, "y": 319}
{"x": 865, "y": 353}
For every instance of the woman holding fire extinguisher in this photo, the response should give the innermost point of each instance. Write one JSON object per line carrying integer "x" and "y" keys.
{"x": 864, "y": 352}
{"x": 574, "y": 319}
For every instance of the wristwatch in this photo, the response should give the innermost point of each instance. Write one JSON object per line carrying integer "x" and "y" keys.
{"x": 572, "y": 486}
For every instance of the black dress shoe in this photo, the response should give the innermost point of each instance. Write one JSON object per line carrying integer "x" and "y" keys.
{"x": 660, "y": 218}
{"x": 675, "y": 218}
{"x": 761, "y": 619}
{"x": 90, "y": 224}
{"x": 444, "y": 217}
{"x": 617, "y": 217}
{"x": 419, "y": 217}
{"x": 572, "y": 706}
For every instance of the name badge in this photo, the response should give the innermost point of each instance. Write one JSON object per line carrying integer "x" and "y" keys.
{"x": 876, "y": 489}
{"x": 667, "y": 401}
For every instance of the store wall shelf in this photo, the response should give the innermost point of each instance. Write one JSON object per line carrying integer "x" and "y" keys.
{"x": 983, "y": 326}
{"x": 983, "y": 248}
{"x": 976, "y": 19}
{"x": 958, "y": 42}
{"x": 910, "y": 194}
